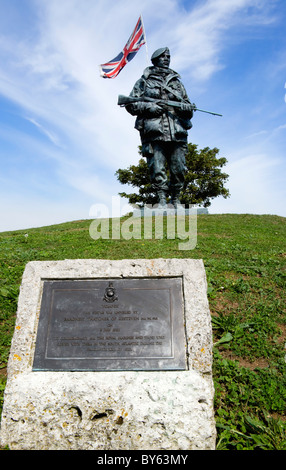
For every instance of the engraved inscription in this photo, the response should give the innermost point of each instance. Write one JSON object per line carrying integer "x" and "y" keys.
{"x": 115, "y": 324}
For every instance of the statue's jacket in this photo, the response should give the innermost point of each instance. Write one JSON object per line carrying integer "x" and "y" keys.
{"x": 173, "y": 124}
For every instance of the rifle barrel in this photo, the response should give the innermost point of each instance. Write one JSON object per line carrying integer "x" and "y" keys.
{"x": 209, "y": 112}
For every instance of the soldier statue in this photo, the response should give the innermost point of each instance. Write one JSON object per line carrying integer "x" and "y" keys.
{"x": 164, "y": 112}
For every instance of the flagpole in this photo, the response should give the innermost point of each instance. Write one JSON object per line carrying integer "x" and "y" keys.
{"x": 147, "y": 56}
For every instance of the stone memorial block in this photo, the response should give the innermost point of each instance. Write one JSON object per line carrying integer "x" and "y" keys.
{"x": 111, "y": 355}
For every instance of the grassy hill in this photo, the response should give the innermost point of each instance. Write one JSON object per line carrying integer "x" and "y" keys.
{"x": 245, "y": 258}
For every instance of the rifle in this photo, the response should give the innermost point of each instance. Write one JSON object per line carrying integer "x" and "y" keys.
{"x": 126, "y": 100}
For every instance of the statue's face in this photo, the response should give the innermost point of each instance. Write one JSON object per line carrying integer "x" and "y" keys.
{"x": 164, "y": 60}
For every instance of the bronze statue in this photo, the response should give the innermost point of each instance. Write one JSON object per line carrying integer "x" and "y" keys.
{"x": 164, "y": 112}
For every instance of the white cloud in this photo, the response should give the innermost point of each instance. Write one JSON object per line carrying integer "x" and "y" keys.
{"x": 253, "y": 186}
{"x": 53, "y": 138}
{"x": 257, "y": 134}
{"x": 280, "y": 128}
{"x": 201, "y": 35}
{"x": 24, "y": 213}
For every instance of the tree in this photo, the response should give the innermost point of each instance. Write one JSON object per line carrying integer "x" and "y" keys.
{"x": 204, "y": 179}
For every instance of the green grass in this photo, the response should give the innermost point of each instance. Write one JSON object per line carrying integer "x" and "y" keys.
{"x": 245, "y": 258}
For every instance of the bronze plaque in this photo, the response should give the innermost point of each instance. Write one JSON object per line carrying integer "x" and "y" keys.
{"x": 111, "y": 324}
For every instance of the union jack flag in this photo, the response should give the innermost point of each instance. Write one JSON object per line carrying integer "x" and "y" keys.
{"x": 112, "y": 68}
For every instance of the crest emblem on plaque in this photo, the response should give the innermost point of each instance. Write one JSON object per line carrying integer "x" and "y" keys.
{"x": 110, "y": 293}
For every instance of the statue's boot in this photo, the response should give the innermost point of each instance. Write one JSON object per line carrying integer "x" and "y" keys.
{"x": 162, "y": 198}
{"x": 175, "y": 200}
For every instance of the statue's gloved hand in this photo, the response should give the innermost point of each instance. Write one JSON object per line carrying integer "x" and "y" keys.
{"x": 187, "y": 107}
{"x": 155, "y": 109}
{"x": 150, "y": 109}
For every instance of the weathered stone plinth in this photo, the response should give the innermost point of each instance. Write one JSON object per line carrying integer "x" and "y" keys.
{"x": 104, "y": 410}
{"x": 168, "y": 210}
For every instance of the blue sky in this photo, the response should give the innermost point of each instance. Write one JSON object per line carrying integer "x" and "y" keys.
{"x": 62, "y": 135}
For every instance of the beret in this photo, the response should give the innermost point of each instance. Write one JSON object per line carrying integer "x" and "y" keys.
{"x": 159, "y": 52}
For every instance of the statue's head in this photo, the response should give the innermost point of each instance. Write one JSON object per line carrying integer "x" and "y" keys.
{"x": 161, "y": 57}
